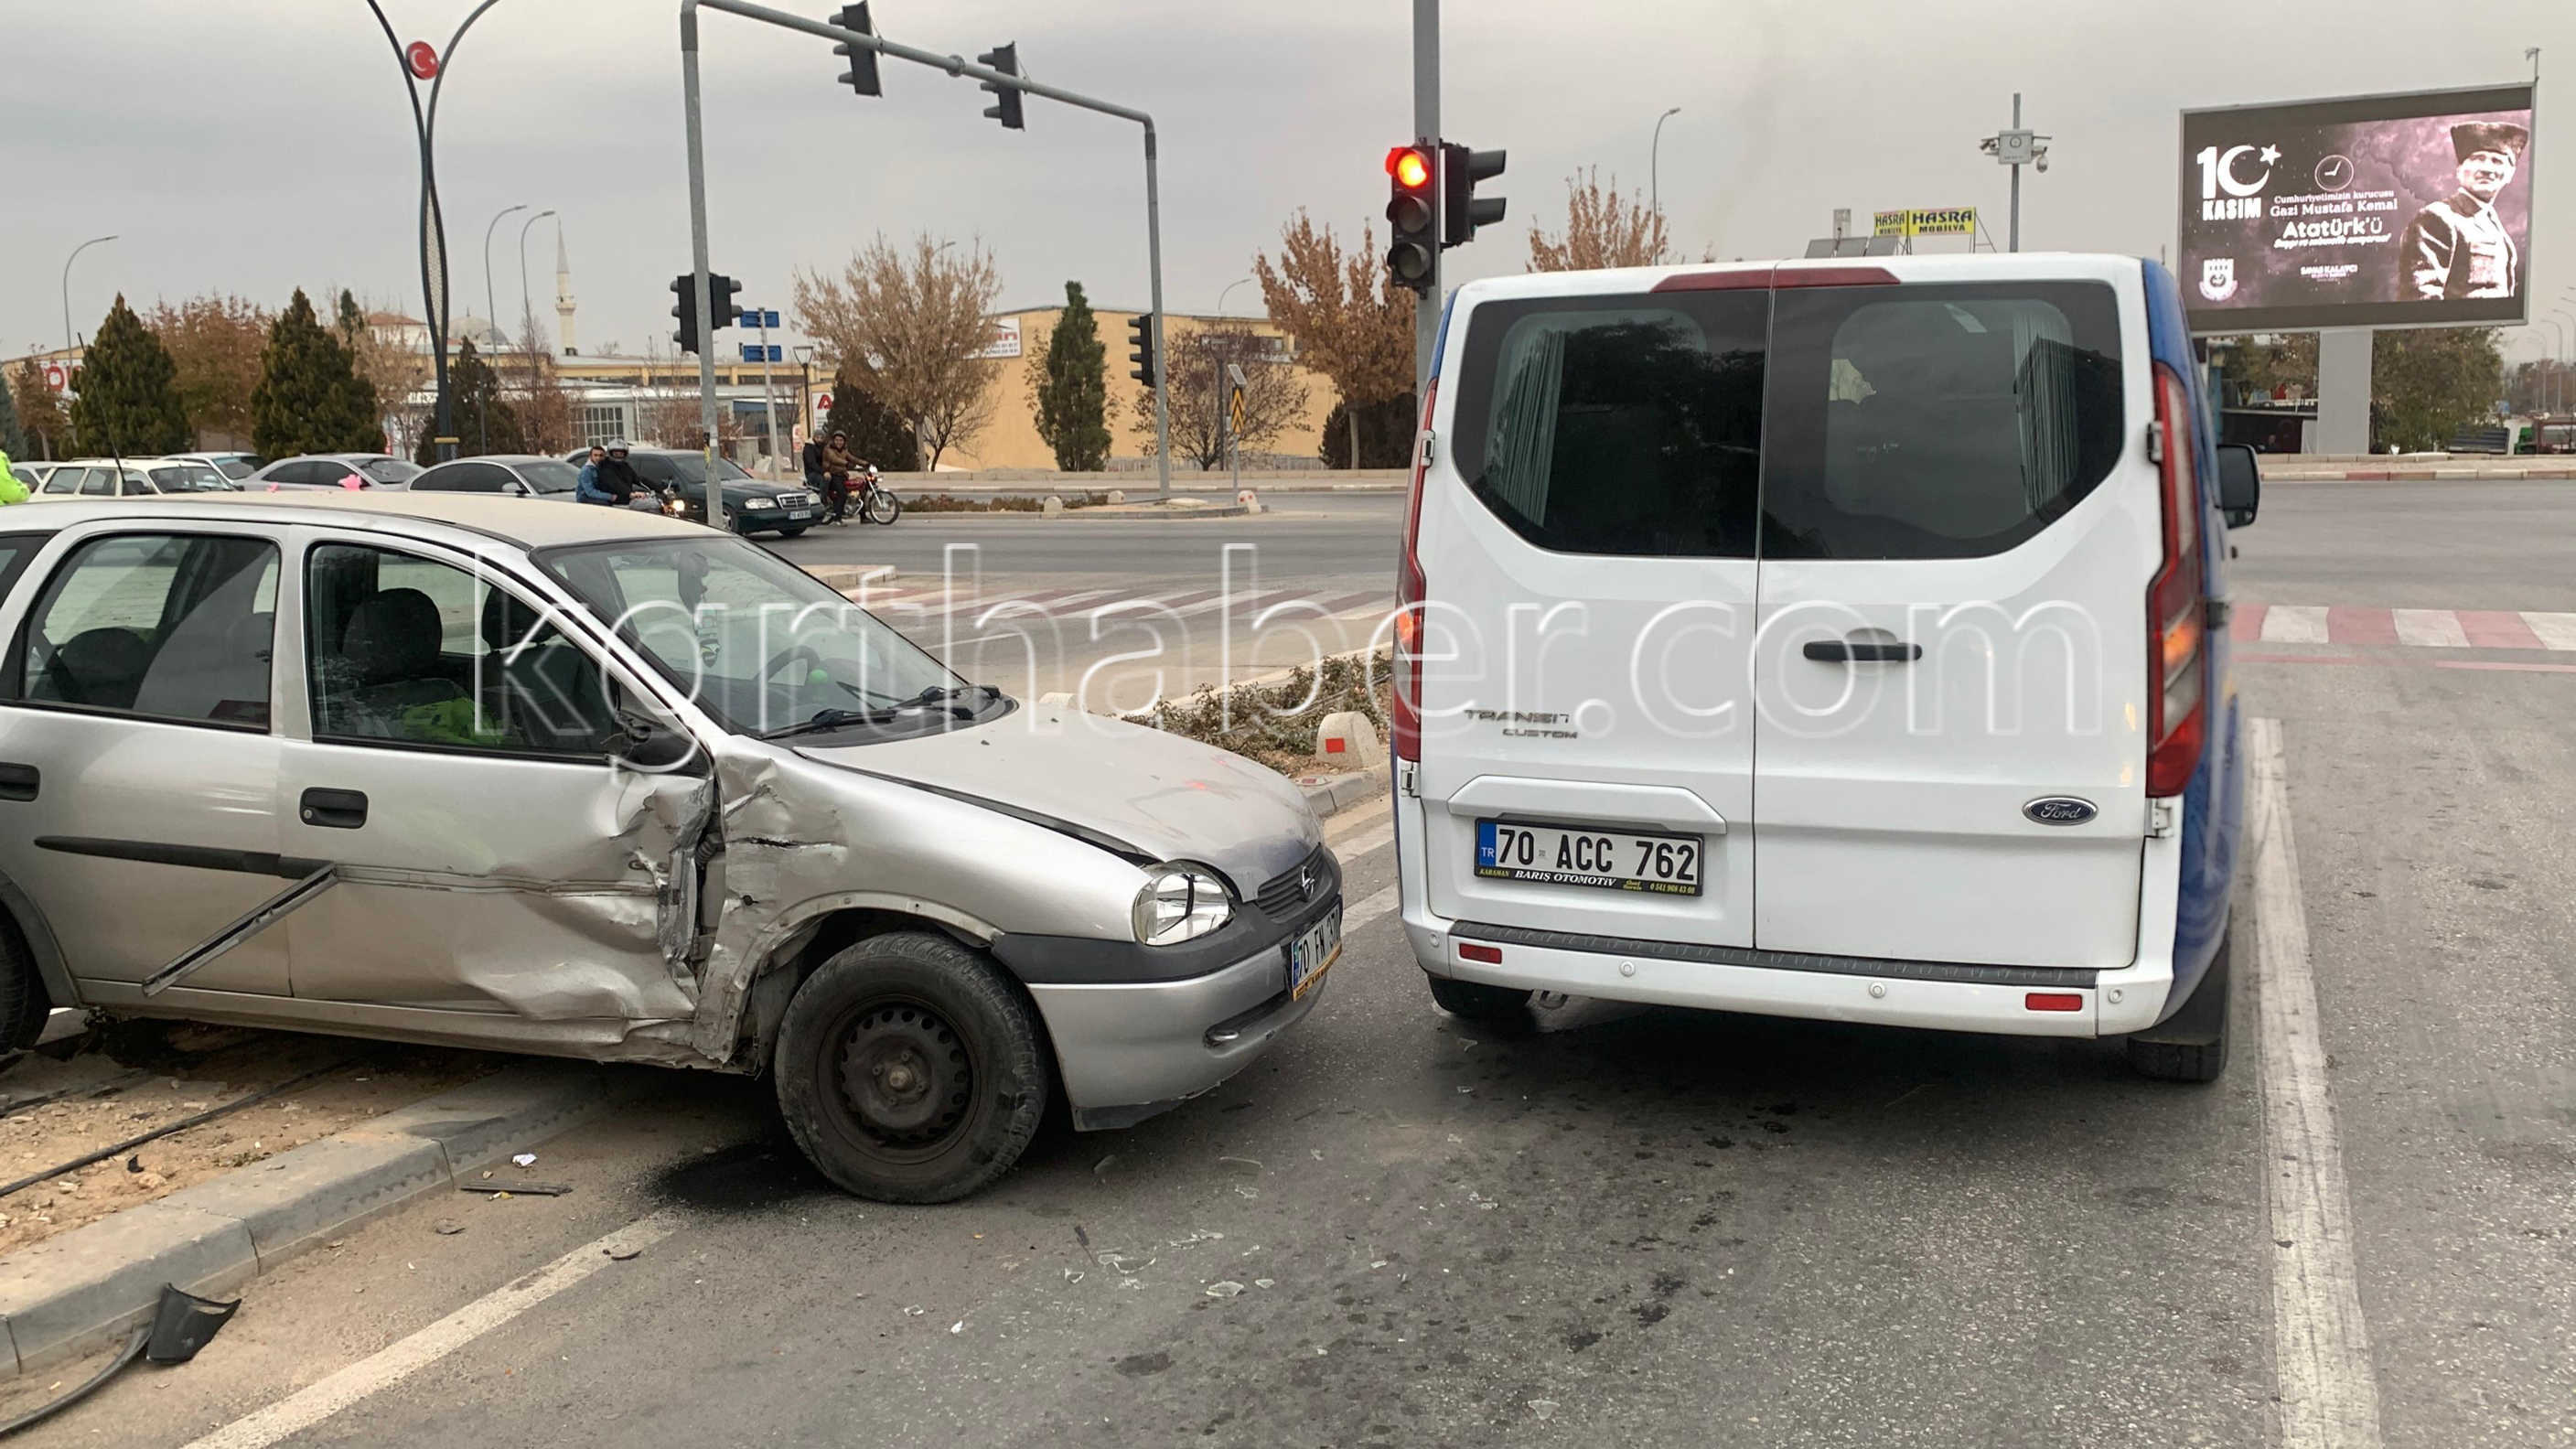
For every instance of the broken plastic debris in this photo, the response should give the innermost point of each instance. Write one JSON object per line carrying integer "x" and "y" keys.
{"x": 447, "y": 1228}
{"x": 1542, "y": 1407}
{"x": 622, "y": 1255}
{"x": 958, "y": 1327}
{"x": 1102, "y": 1165}
{"x": 524, "y": 1159}
{"x": 1226, "y": 1289}
{"x": 1247, "y": 1192}
{"x": 1482, "y": 1201}
{"x": 1265, "y": 1282}
{"x": 1380, "y": 1263}
{"x": 913, "y": 1312}
{"x": 1252, "y": 1162}
{"x": 1073, "y": 1275}
{"x": 1117, "y": 1262}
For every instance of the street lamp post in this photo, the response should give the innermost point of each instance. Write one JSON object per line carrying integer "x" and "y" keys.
{"x": 527, "y": 313}
{"x": 1654, "y": 164}
{"x": 417, "y": 63}
{"x": 1228, "y": 292}
{"x": 68, "y": 343}
{"x": 804, "y": 386}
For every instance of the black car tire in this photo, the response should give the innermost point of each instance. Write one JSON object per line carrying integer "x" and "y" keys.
{"x": 911, "y": 1069}
{"x": 2191, "y": 1045}
{"x": 797, "y": 532}
{"x": 24, "y": 1004}
{"x": 1476, "y": 1001}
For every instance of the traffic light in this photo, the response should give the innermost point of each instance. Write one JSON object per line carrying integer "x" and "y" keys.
{"x": 1461, "y": 212}
{"x": 685, "y": 287}
{"x": 862, "y": 74}
{"x": 1412, "y": 214}
{"x": 720, "y": 291}
{"x": 1006, "y": 59}
{"x": 1143, "y": 356}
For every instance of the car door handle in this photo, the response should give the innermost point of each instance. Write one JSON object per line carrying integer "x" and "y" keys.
{"x": 19, "y": 782}
{"x": 1847, "y": 651}
{"x": 334, "y": 809}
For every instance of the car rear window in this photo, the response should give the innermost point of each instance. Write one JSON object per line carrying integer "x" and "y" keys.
{"x": 1617, "y": 424}
{"x": 1936, "y": 421}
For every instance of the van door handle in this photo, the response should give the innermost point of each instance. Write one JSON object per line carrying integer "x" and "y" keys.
{"x": 19, "y": 782}
{"x": 334, "y": 809}
{"x": 1845, "y": 651}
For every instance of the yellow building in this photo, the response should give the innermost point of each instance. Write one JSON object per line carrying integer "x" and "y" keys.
{"x": 1010, "y": 439}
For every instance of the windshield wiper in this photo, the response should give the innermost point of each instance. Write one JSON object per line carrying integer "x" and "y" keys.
{"x": 835, "y": 719}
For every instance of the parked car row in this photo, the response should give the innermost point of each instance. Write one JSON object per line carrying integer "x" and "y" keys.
{"x": 135, "y": 477}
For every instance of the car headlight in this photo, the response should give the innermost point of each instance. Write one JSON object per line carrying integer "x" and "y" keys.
{"x": 760, "y": 503}
{"x": 675, "y": 507}
{"x": 1180, "y": 903}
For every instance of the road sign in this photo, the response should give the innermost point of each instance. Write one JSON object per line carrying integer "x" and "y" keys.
{"x": 422, "y": 57}
{"x": 55, "y": 377}
{"x": 1236, "y": 409}
{"x": 754, "y": 352}
{"x": 757, "y": 319}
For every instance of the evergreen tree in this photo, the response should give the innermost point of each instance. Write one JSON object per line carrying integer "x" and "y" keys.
{"x": 13, "y": 441}
{"x": 310, "y": 398}
{"x": 484, "y": 420}
{"x": 1072, "y": 389}
{"x": 129, "y": 400}
{"x": 875, "y": 433}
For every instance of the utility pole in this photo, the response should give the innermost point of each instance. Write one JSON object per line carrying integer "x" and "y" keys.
{"x": 1426, "y": 134}
{"x": 769, "y": 400}
{"x": 2017, "y": 148}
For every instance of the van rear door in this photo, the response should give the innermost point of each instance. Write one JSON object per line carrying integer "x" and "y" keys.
{"x": 1960, "y": 522}
{"x": 1586, "y": 542}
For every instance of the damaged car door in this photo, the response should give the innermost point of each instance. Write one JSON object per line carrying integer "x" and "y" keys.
{"x": 501, "y": 878}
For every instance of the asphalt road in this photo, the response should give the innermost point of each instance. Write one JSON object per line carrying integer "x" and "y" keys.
{"x": 1644, "y": 1226}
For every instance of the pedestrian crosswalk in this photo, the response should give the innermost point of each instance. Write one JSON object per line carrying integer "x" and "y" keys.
{"x": 2404, "y": 628}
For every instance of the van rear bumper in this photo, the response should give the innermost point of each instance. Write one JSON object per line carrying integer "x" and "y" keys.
{"x": 1940, "y": 996}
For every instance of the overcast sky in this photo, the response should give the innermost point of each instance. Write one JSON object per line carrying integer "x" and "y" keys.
{"x": 252, "y": 146}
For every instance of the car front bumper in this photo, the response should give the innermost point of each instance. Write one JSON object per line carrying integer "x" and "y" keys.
{"x": 1128, "y": 1051}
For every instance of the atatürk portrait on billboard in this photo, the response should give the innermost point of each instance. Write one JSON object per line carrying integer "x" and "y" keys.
{"x": 2457, "y": 247}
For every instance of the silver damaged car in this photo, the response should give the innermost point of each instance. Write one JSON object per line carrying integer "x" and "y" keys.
{"x": 597, "y": 784}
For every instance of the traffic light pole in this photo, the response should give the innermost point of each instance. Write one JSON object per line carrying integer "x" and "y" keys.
{"x": 698, "y": 255}
{"x": 955, "y": 66}
{"x": 1426, "y": 133}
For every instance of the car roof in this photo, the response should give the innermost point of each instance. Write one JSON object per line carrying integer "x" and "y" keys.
{"x": 500, "y": 458}
{"x": 424, "y": 515}
{"x": 1943, "y": 267}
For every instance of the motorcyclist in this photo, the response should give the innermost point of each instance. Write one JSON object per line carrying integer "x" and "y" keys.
{"x": 837, "y": 463}
{"x": 616, "y": 477}
{"x": 586, "y": 487}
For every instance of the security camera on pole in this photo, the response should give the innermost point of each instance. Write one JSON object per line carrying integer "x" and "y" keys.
{"x": 2017, "y": 148}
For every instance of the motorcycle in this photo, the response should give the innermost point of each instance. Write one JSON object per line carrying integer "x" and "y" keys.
{"x": 873, "y": 501}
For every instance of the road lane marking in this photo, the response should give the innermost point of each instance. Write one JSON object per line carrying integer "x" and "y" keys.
{"x": 1354, "y": 917}
{"x": 2294, "y": 624}
{"x": 2329, "y": 1394}
{"x": 2430, "y": 628}
{"x": 2555, "y": 631}
{"x": 399, "y": 1360}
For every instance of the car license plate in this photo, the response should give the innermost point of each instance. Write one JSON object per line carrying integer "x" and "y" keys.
{"x": 797, "y": 513}
{"x": 1618, "y": 860}
{"x": 1313, "y": 953}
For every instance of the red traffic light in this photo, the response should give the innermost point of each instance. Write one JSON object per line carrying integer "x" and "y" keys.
{"x": 1410, "y": 168}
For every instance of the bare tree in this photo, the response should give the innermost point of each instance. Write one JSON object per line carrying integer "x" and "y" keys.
{"x": 384, "y": 356}
{"x": 216, "y": 343}
{"x": 919, "y": 326}
{"x": 1351, "y": 325}
{"x": 1273, "y": 399}
{"x": 1602, "y": 229}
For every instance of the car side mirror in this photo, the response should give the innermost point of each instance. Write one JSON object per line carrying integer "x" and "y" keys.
{"x": 2240, "y": 484}
{"x": 518, "y": 489}
{"x": 652, "y": 747}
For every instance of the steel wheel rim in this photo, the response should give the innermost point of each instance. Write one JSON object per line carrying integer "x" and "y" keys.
{"x": 900, "y": 1079}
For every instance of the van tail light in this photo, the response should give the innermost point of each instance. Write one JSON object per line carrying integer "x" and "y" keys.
{"x": 1405, "y": 713}
{"x": 2177, "y": 707}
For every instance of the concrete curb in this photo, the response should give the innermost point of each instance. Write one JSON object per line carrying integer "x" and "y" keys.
{"x": 1102, "y": 513}
{"x": 1328, "y": 798}
{"x": 89, "y": 1287}
{"x": 2428, "y": 475}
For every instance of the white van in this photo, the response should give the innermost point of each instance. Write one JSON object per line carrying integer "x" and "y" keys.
{"x": 1826, "y": 640}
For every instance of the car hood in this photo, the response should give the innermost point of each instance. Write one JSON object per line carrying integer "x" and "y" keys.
{"x": 1167, "y": 797}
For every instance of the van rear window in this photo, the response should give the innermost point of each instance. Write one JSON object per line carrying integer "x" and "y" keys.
{"x": 1627, "y": 425}
{"x": 1936, "y": 421}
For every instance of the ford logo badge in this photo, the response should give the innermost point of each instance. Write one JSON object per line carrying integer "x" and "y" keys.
{"x": 2060, "y": 810}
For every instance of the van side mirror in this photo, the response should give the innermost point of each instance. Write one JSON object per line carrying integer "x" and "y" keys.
{"x": 2240, "y": 484}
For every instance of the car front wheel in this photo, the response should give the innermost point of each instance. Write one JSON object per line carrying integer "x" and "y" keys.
{"x": 910, "y": 1069}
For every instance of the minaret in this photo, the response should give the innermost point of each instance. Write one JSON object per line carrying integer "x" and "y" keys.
{"x": 563, "y": 291}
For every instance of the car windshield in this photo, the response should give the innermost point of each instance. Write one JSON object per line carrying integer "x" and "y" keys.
{"x": 549, "y": 476}
{"x": 189, "y": 478}
{"x": 390, "y": 470}
{"x": 241, "y": 465}
{"x": 687, "y": 469}
{"x": 759, "y": 644}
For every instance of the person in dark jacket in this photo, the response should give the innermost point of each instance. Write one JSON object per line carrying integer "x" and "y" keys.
{"x": 2458, "y": 247}
{"x": 616, "y": 477}
{"x": 837, "y": 462}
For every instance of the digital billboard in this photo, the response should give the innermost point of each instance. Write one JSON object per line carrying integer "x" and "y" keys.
{"x": 2372, "y": 211}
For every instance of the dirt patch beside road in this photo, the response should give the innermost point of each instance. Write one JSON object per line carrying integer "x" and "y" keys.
{"x": 150, "y": 1077}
